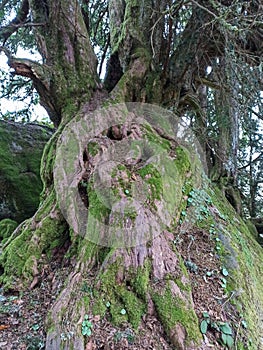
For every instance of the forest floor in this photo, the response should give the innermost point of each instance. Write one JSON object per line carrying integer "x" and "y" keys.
{"x": 23, "y": 314}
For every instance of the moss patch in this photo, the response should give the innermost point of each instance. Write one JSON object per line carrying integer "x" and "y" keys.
{"x": 7, "y": 226}
{"x": 172, "y": 310}
{"x": 21, "y": 254}
{"x": 21, "y": 148}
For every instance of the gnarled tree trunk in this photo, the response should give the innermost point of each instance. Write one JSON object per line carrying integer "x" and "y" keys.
{"x": 147, "y": 276}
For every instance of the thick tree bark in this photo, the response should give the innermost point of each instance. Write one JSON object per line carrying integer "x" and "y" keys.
{"x": 150, "y": 277}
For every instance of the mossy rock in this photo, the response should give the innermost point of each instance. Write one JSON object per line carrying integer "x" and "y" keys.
{"x": 21, "y": 147}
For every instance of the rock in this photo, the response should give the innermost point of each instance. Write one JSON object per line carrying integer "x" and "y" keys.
{"x": 178, "y": 336}
{"x": 21, "y": 148}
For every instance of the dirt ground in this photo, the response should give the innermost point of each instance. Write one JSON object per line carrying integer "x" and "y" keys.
{"x": 22, "y": 314}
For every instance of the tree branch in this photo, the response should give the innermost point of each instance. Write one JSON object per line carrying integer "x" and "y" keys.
{"x": 258, "y": 158}
{"x": 3, "y": 4}
{"x": 20, "y": 19}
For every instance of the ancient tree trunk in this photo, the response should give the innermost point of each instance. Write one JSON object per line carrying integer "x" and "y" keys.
{"x": 130, "y": 174}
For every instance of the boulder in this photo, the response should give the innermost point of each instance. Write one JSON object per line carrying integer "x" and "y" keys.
{"x": 21, "y": 148}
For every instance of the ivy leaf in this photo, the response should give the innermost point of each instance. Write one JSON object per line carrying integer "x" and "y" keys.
{"x": 206, "y": 314}
{"x": 215, "y": 326}
{"x": 229, "y": 341}
{"x": 244, "y": 324}
{"x": 225, "y": 272}
{"x": 223, "y": 336}
{"x": 203, "y": 327}
{"x": 35, "y": 327}
{"x": 225, "y": 328}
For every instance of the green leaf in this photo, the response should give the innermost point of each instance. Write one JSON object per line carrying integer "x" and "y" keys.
{"x": 229, "y": 341}
{"x": 203, "y": 327}
{"x": 35, "y": 327}
{"x": 108, "y": 304}
{"x": 225, "y": 272}
{"x": 244, "y": 324}
{"x": 123, "y": 311}
{"x": 225, "y": 328}
{"x": 223, "y": 337}
{"x": 209, "y": 273}
{"x": 206, "y": 314}
{"x": 84, "y": 330}
{"x": 88, "y": 333}
{"x": 89, "y": 324}
{"x": 215, "y": 326}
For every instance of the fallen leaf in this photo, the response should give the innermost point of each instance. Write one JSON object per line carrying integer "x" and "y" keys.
{"x": 4, "y": 326}
{"x": 96, "y": 318}
{"x": 89, "y": 346}
{"x": 34, "y": 283}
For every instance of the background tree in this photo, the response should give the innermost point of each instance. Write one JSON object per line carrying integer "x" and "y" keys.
{"x": 188, "y": 56}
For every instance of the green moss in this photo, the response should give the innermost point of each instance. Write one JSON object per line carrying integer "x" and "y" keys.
{"x": 123, "y": 305}
{"x": 93, "y": 148}
{"x": 19, "y": 169}
{"x": 182, "y": 161}
{"x": 14, "y": 256}
{"x": 172, "y": 311}
{"x": 252, "y": 229}
{"x": 242, "y": 256}
{"x": 99, "y": 307}
{"x": 97, "y": 208}
{"x": 7, "y": 226}
{"x": 87, "y": 250}
{"x": 141, "y": 281}
{"x": 48, "y": 160}
{"x": 116, "y": 307}
{"x": 20, "y": 256}
{"x": 157, "y": 143}
{"x": 86, "y": 301}
{"x": 134, "y": 307}
{"x": 154, "y": 88}
{"x": 154, "y": 179}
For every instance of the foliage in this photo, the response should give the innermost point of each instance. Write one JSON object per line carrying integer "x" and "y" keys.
{"x": 86, "y": 326}
{"x": 97, "y": 21}
{"x": 250, "y": 162}
{"x": 225, "y": 330}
